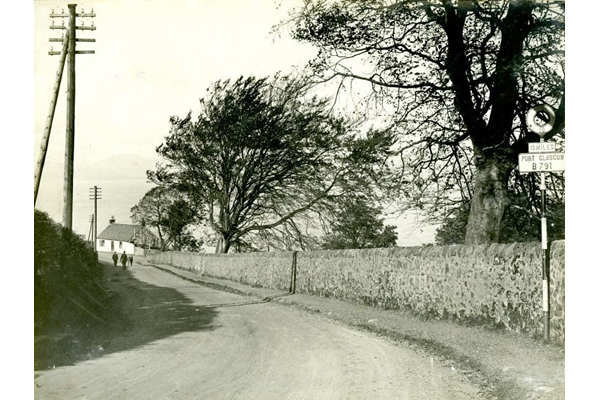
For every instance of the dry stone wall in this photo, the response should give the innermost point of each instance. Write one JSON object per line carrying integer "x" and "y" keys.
{"x": 497, "y": 284}
{"x": 271, "y": 270}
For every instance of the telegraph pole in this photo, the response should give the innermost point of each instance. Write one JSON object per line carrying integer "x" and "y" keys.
{"x": 91, "y": 231}
{"x": 97, "y": 195}
{"x": 70, "y": 134}
{"x": 46, "y": 137}
{"x": 70, "y": 130}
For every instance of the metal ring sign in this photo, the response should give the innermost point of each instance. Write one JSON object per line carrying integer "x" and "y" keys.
{"x": 540, "y": 119}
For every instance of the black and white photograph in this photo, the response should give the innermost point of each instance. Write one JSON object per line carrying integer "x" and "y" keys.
{"x": 300, "y": 199}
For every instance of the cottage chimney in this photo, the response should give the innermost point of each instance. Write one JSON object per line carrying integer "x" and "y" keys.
{"x": 112, "y": 219}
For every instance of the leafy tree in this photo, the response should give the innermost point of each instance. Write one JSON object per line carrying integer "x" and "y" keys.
{"x": 261, "y": 153}
{"x": 456, "y": 79}
{"x": 171, "y": 215}
{"x": 358, "y": 225}
{"x": 152, "y": 210}
{"x": 179, "y": 218}
{"x": 454, "y": 227}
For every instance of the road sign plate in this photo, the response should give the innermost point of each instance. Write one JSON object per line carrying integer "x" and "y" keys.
{"x": 540, "y": 119}
{"x": 542, "y": 147}
{"x": 541, "y": 162}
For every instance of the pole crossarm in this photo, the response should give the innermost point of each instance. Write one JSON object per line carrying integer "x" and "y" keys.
{"x": 80, "y": 28}
{"x": 56, "y": 53}
{"x": 76, "y": 39}
{"x": 82, "y": 14}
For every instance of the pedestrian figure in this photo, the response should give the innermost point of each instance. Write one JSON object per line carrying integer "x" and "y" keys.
{"x": 131, "y": 259}
{"x": 115, "y": 258}
{"x": 124, "y": 260}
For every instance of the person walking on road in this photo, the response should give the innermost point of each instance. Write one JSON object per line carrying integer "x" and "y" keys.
{"x": 130, "y": 260}
{"x": 124, "y": 260}
{"x": 115, "y": 258}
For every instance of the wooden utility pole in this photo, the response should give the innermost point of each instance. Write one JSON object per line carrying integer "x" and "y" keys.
{"x": 39, "y": 167}
{"x": 91, "y": 231}
{"x": 95, "y": 194}
{"x": 69, "y": 40}
{"x": 70, "y": 133}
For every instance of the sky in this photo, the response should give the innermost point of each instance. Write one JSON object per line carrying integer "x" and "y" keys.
{"x": 153, "y": 59}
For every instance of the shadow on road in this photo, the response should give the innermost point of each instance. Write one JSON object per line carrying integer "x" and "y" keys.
{"x": 248, "y": 303}
{"x": 141, "y": 313}
{"x": 224, "y": 289}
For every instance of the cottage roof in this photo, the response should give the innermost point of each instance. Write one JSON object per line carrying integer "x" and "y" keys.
{"x": 120, "y": 232}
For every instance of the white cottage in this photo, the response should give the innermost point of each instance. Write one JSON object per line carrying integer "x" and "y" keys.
{"x": 124, "y": 238}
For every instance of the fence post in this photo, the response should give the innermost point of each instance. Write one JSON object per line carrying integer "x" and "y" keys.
{"x": 293, "y": 277}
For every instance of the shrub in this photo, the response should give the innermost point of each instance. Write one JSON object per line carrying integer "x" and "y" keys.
{"x": 64, "y": 265}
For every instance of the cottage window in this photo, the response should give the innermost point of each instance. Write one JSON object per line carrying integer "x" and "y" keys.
{"x": 120, "y": 245}
{"x": 102, "y": 242}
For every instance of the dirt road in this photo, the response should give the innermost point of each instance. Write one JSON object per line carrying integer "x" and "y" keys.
{"x": 181, "y": 340}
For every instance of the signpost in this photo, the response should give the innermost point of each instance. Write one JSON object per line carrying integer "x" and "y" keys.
{"x": 541, "y": 162}
{"x": 542, "y": 158}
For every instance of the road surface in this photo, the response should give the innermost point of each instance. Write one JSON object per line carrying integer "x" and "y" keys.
{"x": 186, "y": 341}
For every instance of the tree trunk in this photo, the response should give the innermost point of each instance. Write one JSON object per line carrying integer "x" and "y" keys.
{"x": 490, "y": 200}
{"x": 226, "y": 245}
{"x": 223, "y": 245}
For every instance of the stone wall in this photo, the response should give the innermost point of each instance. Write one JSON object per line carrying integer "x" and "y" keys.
{"x": 494, "y": 285}
{"x": 271, "y": 270}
